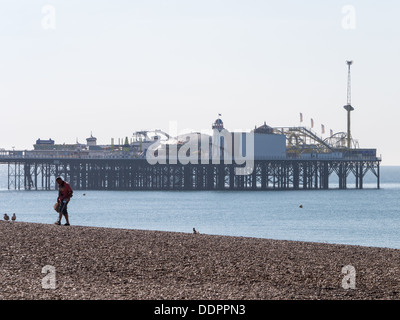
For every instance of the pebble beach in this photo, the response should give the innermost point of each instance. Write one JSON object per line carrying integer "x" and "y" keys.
{"x": 92, "y": 263}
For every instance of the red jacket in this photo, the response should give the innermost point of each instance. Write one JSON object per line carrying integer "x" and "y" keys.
{"x": 64, "y": 191}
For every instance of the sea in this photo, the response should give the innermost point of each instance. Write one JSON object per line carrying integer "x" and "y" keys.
{"x": 366, "y": 217}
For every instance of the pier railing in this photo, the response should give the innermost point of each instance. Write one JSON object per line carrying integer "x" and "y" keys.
{"x": 10, "y": 155}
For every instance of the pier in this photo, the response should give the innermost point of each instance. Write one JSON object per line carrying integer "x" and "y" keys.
{"x": 84, "y": 173}
{"x": 280, "y": 158}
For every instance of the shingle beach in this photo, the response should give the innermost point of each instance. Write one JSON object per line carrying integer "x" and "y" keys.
{"x": 103, "y": 263}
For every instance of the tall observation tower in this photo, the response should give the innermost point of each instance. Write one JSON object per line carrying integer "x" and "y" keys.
{"x": 348, "y": 106}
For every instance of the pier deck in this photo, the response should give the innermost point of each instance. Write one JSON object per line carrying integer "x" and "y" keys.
{"x": 137, "y": 174}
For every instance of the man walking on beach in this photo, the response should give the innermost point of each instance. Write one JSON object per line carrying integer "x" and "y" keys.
{"x": 64, "y": 195}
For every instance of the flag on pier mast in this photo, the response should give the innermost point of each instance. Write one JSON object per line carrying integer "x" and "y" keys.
{"x": 312, "y": 123}
{"x": 301, "y": 117}
{"x": 322, "y": 128}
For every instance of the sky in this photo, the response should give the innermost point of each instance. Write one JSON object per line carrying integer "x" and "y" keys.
{"x": 110, "y": 68}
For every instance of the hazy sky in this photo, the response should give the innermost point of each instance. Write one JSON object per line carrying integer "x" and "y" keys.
{"x": 68, "y": 68}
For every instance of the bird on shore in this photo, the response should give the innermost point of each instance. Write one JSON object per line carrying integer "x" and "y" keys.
{"x": 195, "y": 231}
{"x": 6, "y": 217}
{"x": 14, "y": 217}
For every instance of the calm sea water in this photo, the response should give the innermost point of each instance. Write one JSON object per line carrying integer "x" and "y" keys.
{"x": 368, "y": 217}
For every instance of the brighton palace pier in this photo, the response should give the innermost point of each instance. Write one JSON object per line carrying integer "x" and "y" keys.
{"x": 284, "y": 158}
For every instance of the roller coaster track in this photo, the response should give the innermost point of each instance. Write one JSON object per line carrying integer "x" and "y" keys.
{"x": 303, "y": 138}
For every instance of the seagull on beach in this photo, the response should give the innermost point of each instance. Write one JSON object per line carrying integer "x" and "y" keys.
{"x": 195, "y": 231}
{"x": 14, "y": 217}
{"x": 6, "y": 217}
